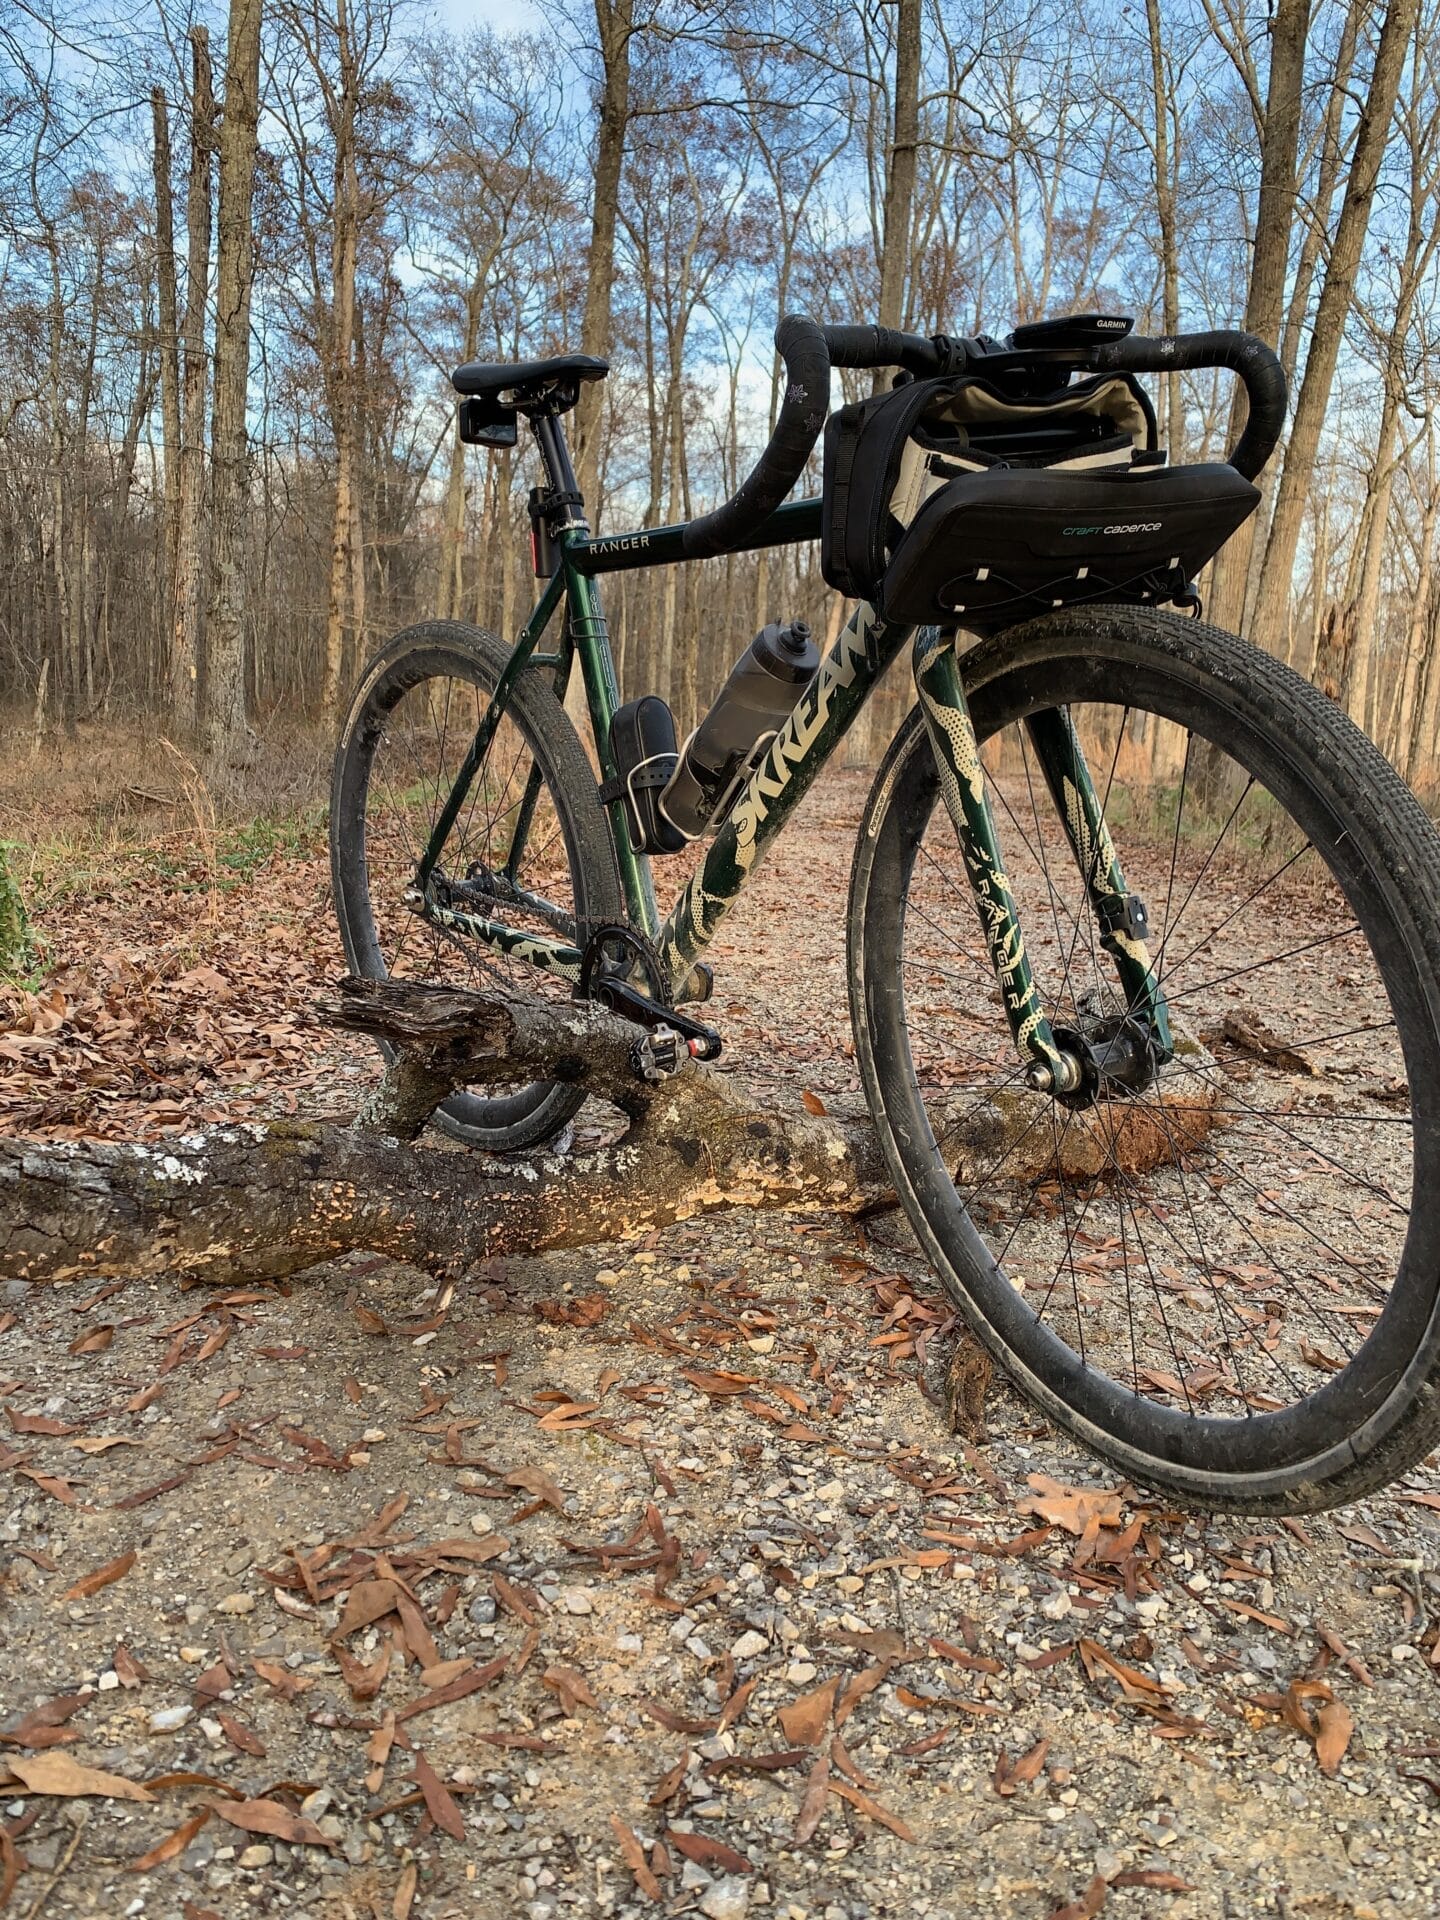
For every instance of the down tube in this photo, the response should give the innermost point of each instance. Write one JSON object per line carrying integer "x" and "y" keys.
{"x": 821, "y": 719}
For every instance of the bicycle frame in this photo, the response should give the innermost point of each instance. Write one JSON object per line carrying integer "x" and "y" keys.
{"x": 822, "y": 716}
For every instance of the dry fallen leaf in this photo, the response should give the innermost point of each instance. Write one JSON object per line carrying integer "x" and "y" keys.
{"x": 439, "y": 1801}
{"x": 1088, "y": 1905}
{"x": 713, "y": 1855}
{"x": 58, "y": 1773}
{"x": 1008, "y": 1775}
{"x": 269, "y": 1817}
{"x": 572, "y": 1688}
{"x": 534, "y": 1480}
{"x": 102, "y": 1577}
{"x": 405, "y": 1893}
{"x": 813, "y": 1803}
{"x": 633, "y": 1855}
{"x": 1073, "y": 1508}
{"x": 804, "y": 1720}
{"x": 173, "y": 1844}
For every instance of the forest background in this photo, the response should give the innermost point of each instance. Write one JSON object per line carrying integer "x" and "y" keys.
{"x": 240, "y": 251}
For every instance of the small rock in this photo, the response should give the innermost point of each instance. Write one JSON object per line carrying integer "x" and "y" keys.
{"x": 1055, "y": 1606}
{"x": 256, "y": 1856}
{"x": 212, "y": 1730}
{"x": 108, "y": 1680}
{"x": 372, "y": 1436}
{"x": 629, "y": 1643}
{"x": 482, "y": 1610}
{"x": 239, "y": 1561}
{"x": 479, "y": 1523}
{"x": 800, "y": 1673}
{"x": 317, "y": 1803}
{"x": 170, "y": 1719}
{"x": 236, "y": 1603}
{"x": 749, "y": 1645}
{"x": 576, "y": 1600}
{"x": 727, "y": 1899}
{"x": 607, "y": 1277}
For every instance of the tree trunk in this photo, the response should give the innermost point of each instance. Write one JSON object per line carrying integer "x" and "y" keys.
{"x": 1274, "y": 221}
{"x": 169, "y": 330}
{"x": 1166, "y": 165}
{"x": 615, "y": 21}
{"x": 1273, "y": 603}
{"x": 185, "y": 605}
{"x": 224, "y": 728}
{"x": 346, "y": 560}
{"x": 900, "y": 172}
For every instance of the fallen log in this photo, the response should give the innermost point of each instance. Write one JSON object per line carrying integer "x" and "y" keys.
{"x": 273, "y": 1199}
{"x": 268, "y": 1200}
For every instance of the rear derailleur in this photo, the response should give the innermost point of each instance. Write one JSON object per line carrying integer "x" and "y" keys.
{"x": 621, "y": 970}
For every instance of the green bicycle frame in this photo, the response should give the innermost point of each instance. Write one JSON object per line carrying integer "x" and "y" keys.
{"x": 822, "y": 716}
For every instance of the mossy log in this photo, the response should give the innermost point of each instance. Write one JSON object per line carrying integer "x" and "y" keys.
{"x": 273, "y": 1199}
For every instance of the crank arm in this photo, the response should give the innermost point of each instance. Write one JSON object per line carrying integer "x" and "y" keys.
{"x": 620, "y": 997}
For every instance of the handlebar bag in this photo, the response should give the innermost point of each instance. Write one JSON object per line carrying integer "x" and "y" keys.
{"x": 968, "y": 500}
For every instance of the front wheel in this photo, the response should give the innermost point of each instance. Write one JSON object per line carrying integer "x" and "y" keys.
{"x": 1225, "y": 1280}
{"x": 530, "y": 844}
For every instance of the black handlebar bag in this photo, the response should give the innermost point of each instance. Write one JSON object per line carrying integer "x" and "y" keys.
{"x": 959, "y": 501}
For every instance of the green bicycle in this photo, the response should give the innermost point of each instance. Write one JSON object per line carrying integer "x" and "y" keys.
{"x": 1159, "y": 1084}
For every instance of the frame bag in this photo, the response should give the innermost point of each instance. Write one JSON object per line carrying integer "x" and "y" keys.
{"x": 971, "y": 501}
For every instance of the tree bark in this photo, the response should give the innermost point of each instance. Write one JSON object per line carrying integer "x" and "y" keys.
{"x": 169, "y": 328}
{"x": 1273, "y": 604}
{"x": 615, "y": 21}
{"x": 185, "y": 602}
{"x": 224, "y": 727}
{"x": 1265, "y": 298}
{"x": 346, "y": 589}
{"x": 900, "y": 172}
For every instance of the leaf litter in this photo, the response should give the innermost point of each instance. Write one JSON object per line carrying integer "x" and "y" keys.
{"x": 930, "y": 1616}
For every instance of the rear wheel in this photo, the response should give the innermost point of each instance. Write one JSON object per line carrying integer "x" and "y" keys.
{"x": 1227, "y": 1278}
{"x": 530, "y": 845}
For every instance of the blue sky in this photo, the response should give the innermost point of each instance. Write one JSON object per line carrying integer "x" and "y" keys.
{"x": 506, "y": 15}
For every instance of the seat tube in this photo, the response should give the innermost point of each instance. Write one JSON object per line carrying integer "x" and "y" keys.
{"x": 962, "y": 784}
{"x": 589, "y": 636}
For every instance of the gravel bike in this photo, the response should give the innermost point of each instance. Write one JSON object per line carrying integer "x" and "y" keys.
{"x": 1143, "y": 933}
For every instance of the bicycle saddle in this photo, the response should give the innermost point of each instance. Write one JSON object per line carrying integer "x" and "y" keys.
{"x": 523, "y": 380}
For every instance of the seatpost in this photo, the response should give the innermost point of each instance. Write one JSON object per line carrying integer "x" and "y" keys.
{"x": 565, "y": 506}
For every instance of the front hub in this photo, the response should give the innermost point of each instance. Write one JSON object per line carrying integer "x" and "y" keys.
{"x": 1116, "y": 1055}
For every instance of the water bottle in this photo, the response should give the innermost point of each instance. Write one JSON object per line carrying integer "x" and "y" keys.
{"x": 754, "y": 702}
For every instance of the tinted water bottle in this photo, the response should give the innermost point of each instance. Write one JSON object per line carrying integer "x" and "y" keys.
{"x": 754, "y": 702}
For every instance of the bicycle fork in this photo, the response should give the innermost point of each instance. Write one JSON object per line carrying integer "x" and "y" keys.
{"x": 1058, "y": 1060}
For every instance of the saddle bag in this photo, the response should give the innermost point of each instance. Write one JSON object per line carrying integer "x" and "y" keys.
{"x": 969, "y": 501}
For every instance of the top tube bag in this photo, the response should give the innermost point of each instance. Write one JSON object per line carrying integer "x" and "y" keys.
{"x": 966, "y": 501}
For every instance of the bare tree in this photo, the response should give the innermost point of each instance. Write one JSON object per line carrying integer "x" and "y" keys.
{"x": 224, "y": 714}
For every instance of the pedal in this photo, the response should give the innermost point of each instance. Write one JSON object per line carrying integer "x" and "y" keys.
{"x": 657, "y": 1055}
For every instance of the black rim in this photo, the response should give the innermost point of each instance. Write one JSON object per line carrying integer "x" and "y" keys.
{"x": 404, "y": 750}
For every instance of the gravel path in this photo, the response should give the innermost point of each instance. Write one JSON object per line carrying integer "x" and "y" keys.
{"x": 651, "y": 1580}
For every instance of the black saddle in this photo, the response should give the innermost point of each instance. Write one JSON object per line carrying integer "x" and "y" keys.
{"x": 519, "y": 382}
